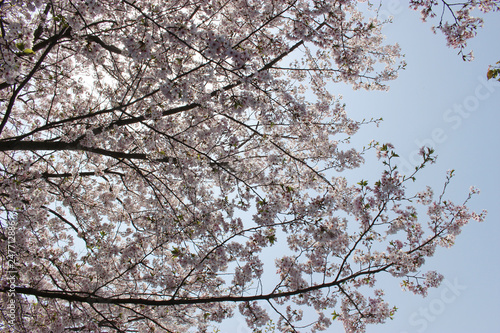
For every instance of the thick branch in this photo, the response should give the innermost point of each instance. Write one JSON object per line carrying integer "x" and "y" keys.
{"x": 84, "y": 297}
{"x": 61, "y": 146}
{"x": 110, "y": 48}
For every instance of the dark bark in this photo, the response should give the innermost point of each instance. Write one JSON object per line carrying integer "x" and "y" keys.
{"x": 84, "y": 297}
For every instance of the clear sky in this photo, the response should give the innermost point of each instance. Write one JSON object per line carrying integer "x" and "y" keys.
{"x": 443, "y": 101}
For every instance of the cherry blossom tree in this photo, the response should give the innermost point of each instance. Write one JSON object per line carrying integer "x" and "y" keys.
{"x": 156, "y": 154}
{"x": 462, "y": 25}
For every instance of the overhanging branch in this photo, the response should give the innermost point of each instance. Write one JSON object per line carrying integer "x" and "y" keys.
{"x": 84, "y": 297}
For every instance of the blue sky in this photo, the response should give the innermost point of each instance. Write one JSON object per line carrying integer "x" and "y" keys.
{"x": 443, "y": 101}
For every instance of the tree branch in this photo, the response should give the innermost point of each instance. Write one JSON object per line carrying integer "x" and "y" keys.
{"x": 86, "y": 297}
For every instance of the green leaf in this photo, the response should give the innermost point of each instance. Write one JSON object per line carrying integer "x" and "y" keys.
{"x": 271, "y": 239}
{"x": 493, "y": 73}
{"x": 237, "y": 104}
{"x": 490, "y": 74}
{"x": 175, "y": 252}
{"x": 363, "y": 183}
{"x": 21, "y": 47}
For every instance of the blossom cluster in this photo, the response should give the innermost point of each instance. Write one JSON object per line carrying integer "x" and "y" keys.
{"x": 462, "y": 26}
